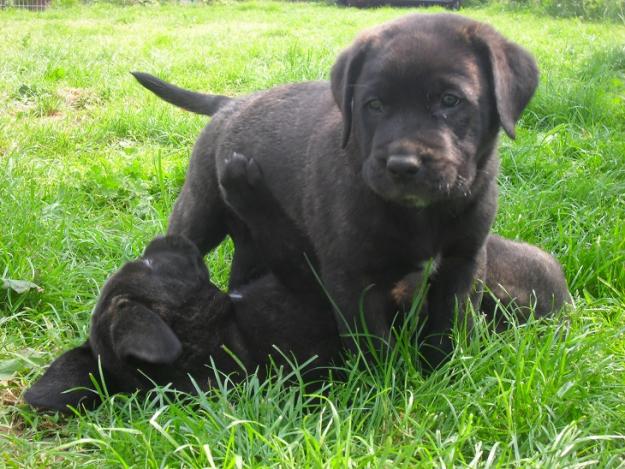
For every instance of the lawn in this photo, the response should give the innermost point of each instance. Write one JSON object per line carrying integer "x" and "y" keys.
{"x": 90, "y": 164}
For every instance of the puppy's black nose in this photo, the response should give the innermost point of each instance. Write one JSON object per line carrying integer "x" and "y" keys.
{"x": 403, "y": 165}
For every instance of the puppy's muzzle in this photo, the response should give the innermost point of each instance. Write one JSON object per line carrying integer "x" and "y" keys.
{"x": 403, "y": 166}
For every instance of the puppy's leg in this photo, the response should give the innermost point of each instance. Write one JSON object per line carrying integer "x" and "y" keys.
{"x": 247, "y": 264}
{"x": 364, "y": 309}
{"x": 67, "y": 382}
{"x": 286, "y": 309}
{"x": 450, "y": 289}
{"x": 200, "y": 213}
{"x": 524, "y": 276}
{"x": 286, "y": 251}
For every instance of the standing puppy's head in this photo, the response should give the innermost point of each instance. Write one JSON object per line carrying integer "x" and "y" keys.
{"x": 423, "y": 97}
{"x": 142, "y": 310}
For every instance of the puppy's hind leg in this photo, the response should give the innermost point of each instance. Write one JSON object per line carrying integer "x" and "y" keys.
{"x": 247, "y": 264}
{"x": 289, "y": 255}
{"x": 200, "y": 213}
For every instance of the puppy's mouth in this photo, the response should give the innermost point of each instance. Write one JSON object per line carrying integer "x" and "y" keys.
{"x": 417, "y": 189}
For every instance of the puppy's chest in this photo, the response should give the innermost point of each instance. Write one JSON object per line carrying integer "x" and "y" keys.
{"x": 410, "y": 251}
{"x": 399, "y": 248}
{"x": 369, "y": 235}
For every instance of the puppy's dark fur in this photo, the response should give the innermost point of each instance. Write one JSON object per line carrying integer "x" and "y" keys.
{"x": 389, "y": 165}
{"x": 160, "y": 319}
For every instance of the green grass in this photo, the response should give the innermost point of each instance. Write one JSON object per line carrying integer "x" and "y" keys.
{"x": 90, "y": 164}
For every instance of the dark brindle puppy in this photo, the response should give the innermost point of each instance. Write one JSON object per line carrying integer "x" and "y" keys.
{"x": 389, "y": 165}
{"x": 161, "y": 317}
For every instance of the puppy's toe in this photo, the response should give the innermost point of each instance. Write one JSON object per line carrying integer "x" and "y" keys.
{"x": 241, "y": 173}
{"x": 235, "y": 169}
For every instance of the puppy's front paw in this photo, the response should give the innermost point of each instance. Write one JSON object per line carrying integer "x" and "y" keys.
{"x": 242, "y": 182}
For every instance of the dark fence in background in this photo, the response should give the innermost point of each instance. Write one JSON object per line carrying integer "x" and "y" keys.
{"x": 40, "y": 5}
{"x": 34, "y": 5}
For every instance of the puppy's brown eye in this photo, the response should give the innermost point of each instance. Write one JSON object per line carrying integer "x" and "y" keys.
{"x": 375, "y": 105}
{"x": 450, "y": 100}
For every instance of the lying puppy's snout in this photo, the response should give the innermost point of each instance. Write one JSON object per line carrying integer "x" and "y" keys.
{"x": 403, "y": 166}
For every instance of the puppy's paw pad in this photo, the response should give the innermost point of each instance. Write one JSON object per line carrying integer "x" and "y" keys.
{"x": 235, "y": 169}
{"x": 239, "y": 170}
{"x": 242, "y": 183}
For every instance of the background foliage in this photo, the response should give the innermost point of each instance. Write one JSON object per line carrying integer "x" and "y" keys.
{"x": 612, "y": 10}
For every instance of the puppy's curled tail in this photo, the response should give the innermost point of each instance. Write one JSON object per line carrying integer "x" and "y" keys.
{"x": 199, "y": 103}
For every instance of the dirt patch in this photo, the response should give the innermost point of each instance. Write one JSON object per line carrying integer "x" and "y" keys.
{"x": 9, "y": 397}
{"x": 54, "y": 114}
{"x": 78, "y": 98}
{"x": 12, "y": 422}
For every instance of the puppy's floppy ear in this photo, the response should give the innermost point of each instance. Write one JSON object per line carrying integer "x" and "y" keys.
{"x": 140, "y": 334}
{"x": 514, "y": 75}
{"x": 70, "y": 370}
{"x": 343, "y": 79}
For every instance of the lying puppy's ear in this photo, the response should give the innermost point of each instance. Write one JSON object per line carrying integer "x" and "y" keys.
{"x": 70, "y": 370}
{"x": 140, "y": 334}
{"x": 343, "y": 79}
{"x": 514, "y": 75}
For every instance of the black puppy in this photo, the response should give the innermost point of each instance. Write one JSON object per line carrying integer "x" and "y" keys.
{"x": 391, "y": 164}
{"x": 159, "y": 319}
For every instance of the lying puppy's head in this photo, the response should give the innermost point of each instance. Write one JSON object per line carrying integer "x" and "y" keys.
{"x": 155, "y": 315}
{"x": 423, "y": 97}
